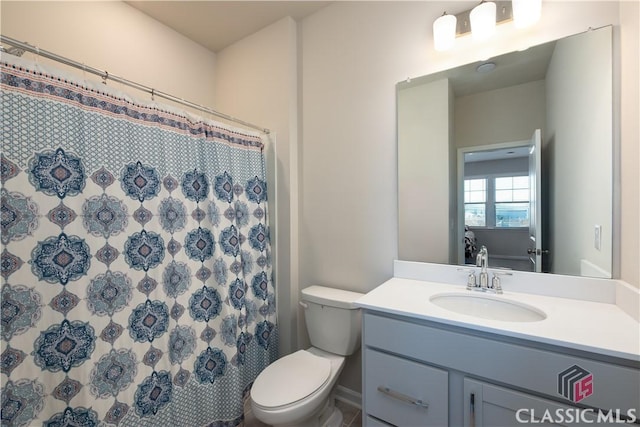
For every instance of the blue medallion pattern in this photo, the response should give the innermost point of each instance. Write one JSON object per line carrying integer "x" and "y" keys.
{"x": 21, "y": 309}
{"x": 195, "y": 186}
{"x": 205, "y": 304}
{"x": 8, "y": 169}
{"x": 22, "y": 401}
{"x": 140, "y": 182}
{"x": 260, "y": 284}
{"x": 182, "y": 344}
{"x": 176, "y": 279}
{"x": 263, "y": 333}
{"x": 237, "y": 291}
{"x": 109, "y": 293}
{"x": 230, "y": 241}
{"x": 153, "y": 393}
{"x": 67, "y": 390}
{"x": 103, "y": 178}
{"x": 173, "y": 215}
{"x": 114, "y": 372}
{"x": 213, "y": 213}
{"x": 180, "y": 303}
{"x": 81, "y": 417}
{"x": 144, "y": 250}
{"x": 104, "y": 216}
{"x": 19, "y": 216}
{"x": 257, "y": 190}
{"x": 229, "y": 330}
{"x": 60, "y": 259}
{"x": 57, "y": 173}
{"x": 10, "y": 359}
{"x": 64, "y": 346}
{"x": 258, "y": 237}
{"x": 199, "y": 244}
{"x": 61, "y": 215}
{"x": 210, "y": 365}
{"x": 224, "y": 187}
{"x": 241, "y": 347}
{"x": 220, "y": 271}
{"x": 149, "y": 321}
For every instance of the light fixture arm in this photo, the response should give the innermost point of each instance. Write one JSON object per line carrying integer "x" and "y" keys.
{"x": 504, "y": 13}
{"x": 447, "y": 28}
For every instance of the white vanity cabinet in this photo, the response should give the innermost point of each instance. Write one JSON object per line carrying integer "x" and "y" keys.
{"x": 424, "y": 373}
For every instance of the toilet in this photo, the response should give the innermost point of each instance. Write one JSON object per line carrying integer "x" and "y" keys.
{"x": 296, "y": 390}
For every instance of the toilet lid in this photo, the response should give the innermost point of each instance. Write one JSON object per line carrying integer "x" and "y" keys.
{"x": 290, "y": 379}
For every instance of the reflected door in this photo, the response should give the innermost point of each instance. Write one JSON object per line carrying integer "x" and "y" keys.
{"x": 535, "y": 202}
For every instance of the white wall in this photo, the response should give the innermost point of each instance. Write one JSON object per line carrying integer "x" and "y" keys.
{"x": 256, "y": 79}
{"x": 115, "y": 37}
{"x": 503, "y": 115}
{"x": 579, "y": 118}
{"x": 629, "y": 195}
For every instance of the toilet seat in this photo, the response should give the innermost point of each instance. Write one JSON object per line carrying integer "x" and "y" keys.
{"x": 290, "y": 379}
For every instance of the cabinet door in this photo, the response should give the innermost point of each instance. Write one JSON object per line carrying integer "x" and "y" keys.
{"x": 405, "y": 393}
{"x": 487, "y": 405}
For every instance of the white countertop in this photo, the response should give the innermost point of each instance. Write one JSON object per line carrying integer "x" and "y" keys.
{"x": 598, "y": 327}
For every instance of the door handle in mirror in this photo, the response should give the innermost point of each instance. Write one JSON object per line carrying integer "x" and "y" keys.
{"x": 538, "y": 251}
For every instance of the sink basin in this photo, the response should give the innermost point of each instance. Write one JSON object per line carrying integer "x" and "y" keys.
{"x": 488, "y": 307}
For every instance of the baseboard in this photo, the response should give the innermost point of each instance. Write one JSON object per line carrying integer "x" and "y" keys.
{"x": 348, "y": 396}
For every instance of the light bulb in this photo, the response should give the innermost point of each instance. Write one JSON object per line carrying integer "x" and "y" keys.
{"x": 526, "y": 12}
{"x": 444, "y": 32}
{"x": 483, "y": 21}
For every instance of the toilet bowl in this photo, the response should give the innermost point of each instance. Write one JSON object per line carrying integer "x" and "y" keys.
{"x": 296, "y": 390}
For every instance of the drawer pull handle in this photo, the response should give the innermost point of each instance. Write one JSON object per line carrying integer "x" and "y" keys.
{"x": 402, "y": 397}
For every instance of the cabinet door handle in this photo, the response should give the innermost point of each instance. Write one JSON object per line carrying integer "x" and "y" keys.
{"x": 472, "y": 407}
{"x": 402, "y": 397}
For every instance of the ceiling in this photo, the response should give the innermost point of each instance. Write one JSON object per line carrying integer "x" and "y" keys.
{"x": 218, "y": 24}
{"x": 510, "y": 69}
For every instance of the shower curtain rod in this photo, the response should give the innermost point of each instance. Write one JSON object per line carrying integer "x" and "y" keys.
{"x": 106, "y": 76}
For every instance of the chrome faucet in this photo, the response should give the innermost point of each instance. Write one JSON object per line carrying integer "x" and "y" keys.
{"x": 482, "y": 261}
{"x": 481, "y": 283}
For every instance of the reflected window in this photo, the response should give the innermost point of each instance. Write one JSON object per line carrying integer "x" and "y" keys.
{"x": 497, "y": 201}
{"x": 512, "y": 201}
{"x": 475, "y": 199}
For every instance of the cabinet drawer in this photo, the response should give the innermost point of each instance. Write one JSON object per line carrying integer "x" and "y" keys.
{"x": 372, "y": 422}
{"x": 403, "y": 392}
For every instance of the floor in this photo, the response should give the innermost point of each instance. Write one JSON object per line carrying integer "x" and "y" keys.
{"x": 352, "y": 416}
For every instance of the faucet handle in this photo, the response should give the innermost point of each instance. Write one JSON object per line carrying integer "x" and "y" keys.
{"x": 471, "y": 277}
{"x": 495, "y": 281}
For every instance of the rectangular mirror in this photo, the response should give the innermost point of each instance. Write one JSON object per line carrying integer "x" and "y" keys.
{"x": 464, "y": 137}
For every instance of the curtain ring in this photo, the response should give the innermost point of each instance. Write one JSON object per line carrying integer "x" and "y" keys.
{"x": 152, "y": 94}
{"x": 105, "y": 77}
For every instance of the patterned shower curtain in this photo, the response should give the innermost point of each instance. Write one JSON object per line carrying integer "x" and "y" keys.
{"x": 136, "y": 264}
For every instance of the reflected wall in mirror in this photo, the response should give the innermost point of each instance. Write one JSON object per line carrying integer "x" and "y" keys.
{"x": 565, "y": 89}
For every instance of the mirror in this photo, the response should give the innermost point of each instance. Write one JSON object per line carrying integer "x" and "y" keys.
{"x": 483, "y": 110}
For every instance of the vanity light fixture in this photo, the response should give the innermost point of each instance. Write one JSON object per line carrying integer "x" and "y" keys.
{"x": 482, "y": 19}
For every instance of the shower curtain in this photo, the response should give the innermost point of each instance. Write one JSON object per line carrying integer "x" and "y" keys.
{"x": 136, "y": 264}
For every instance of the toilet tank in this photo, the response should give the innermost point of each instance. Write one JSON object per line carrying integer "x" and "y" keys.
{"x": 333, "y": 320}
